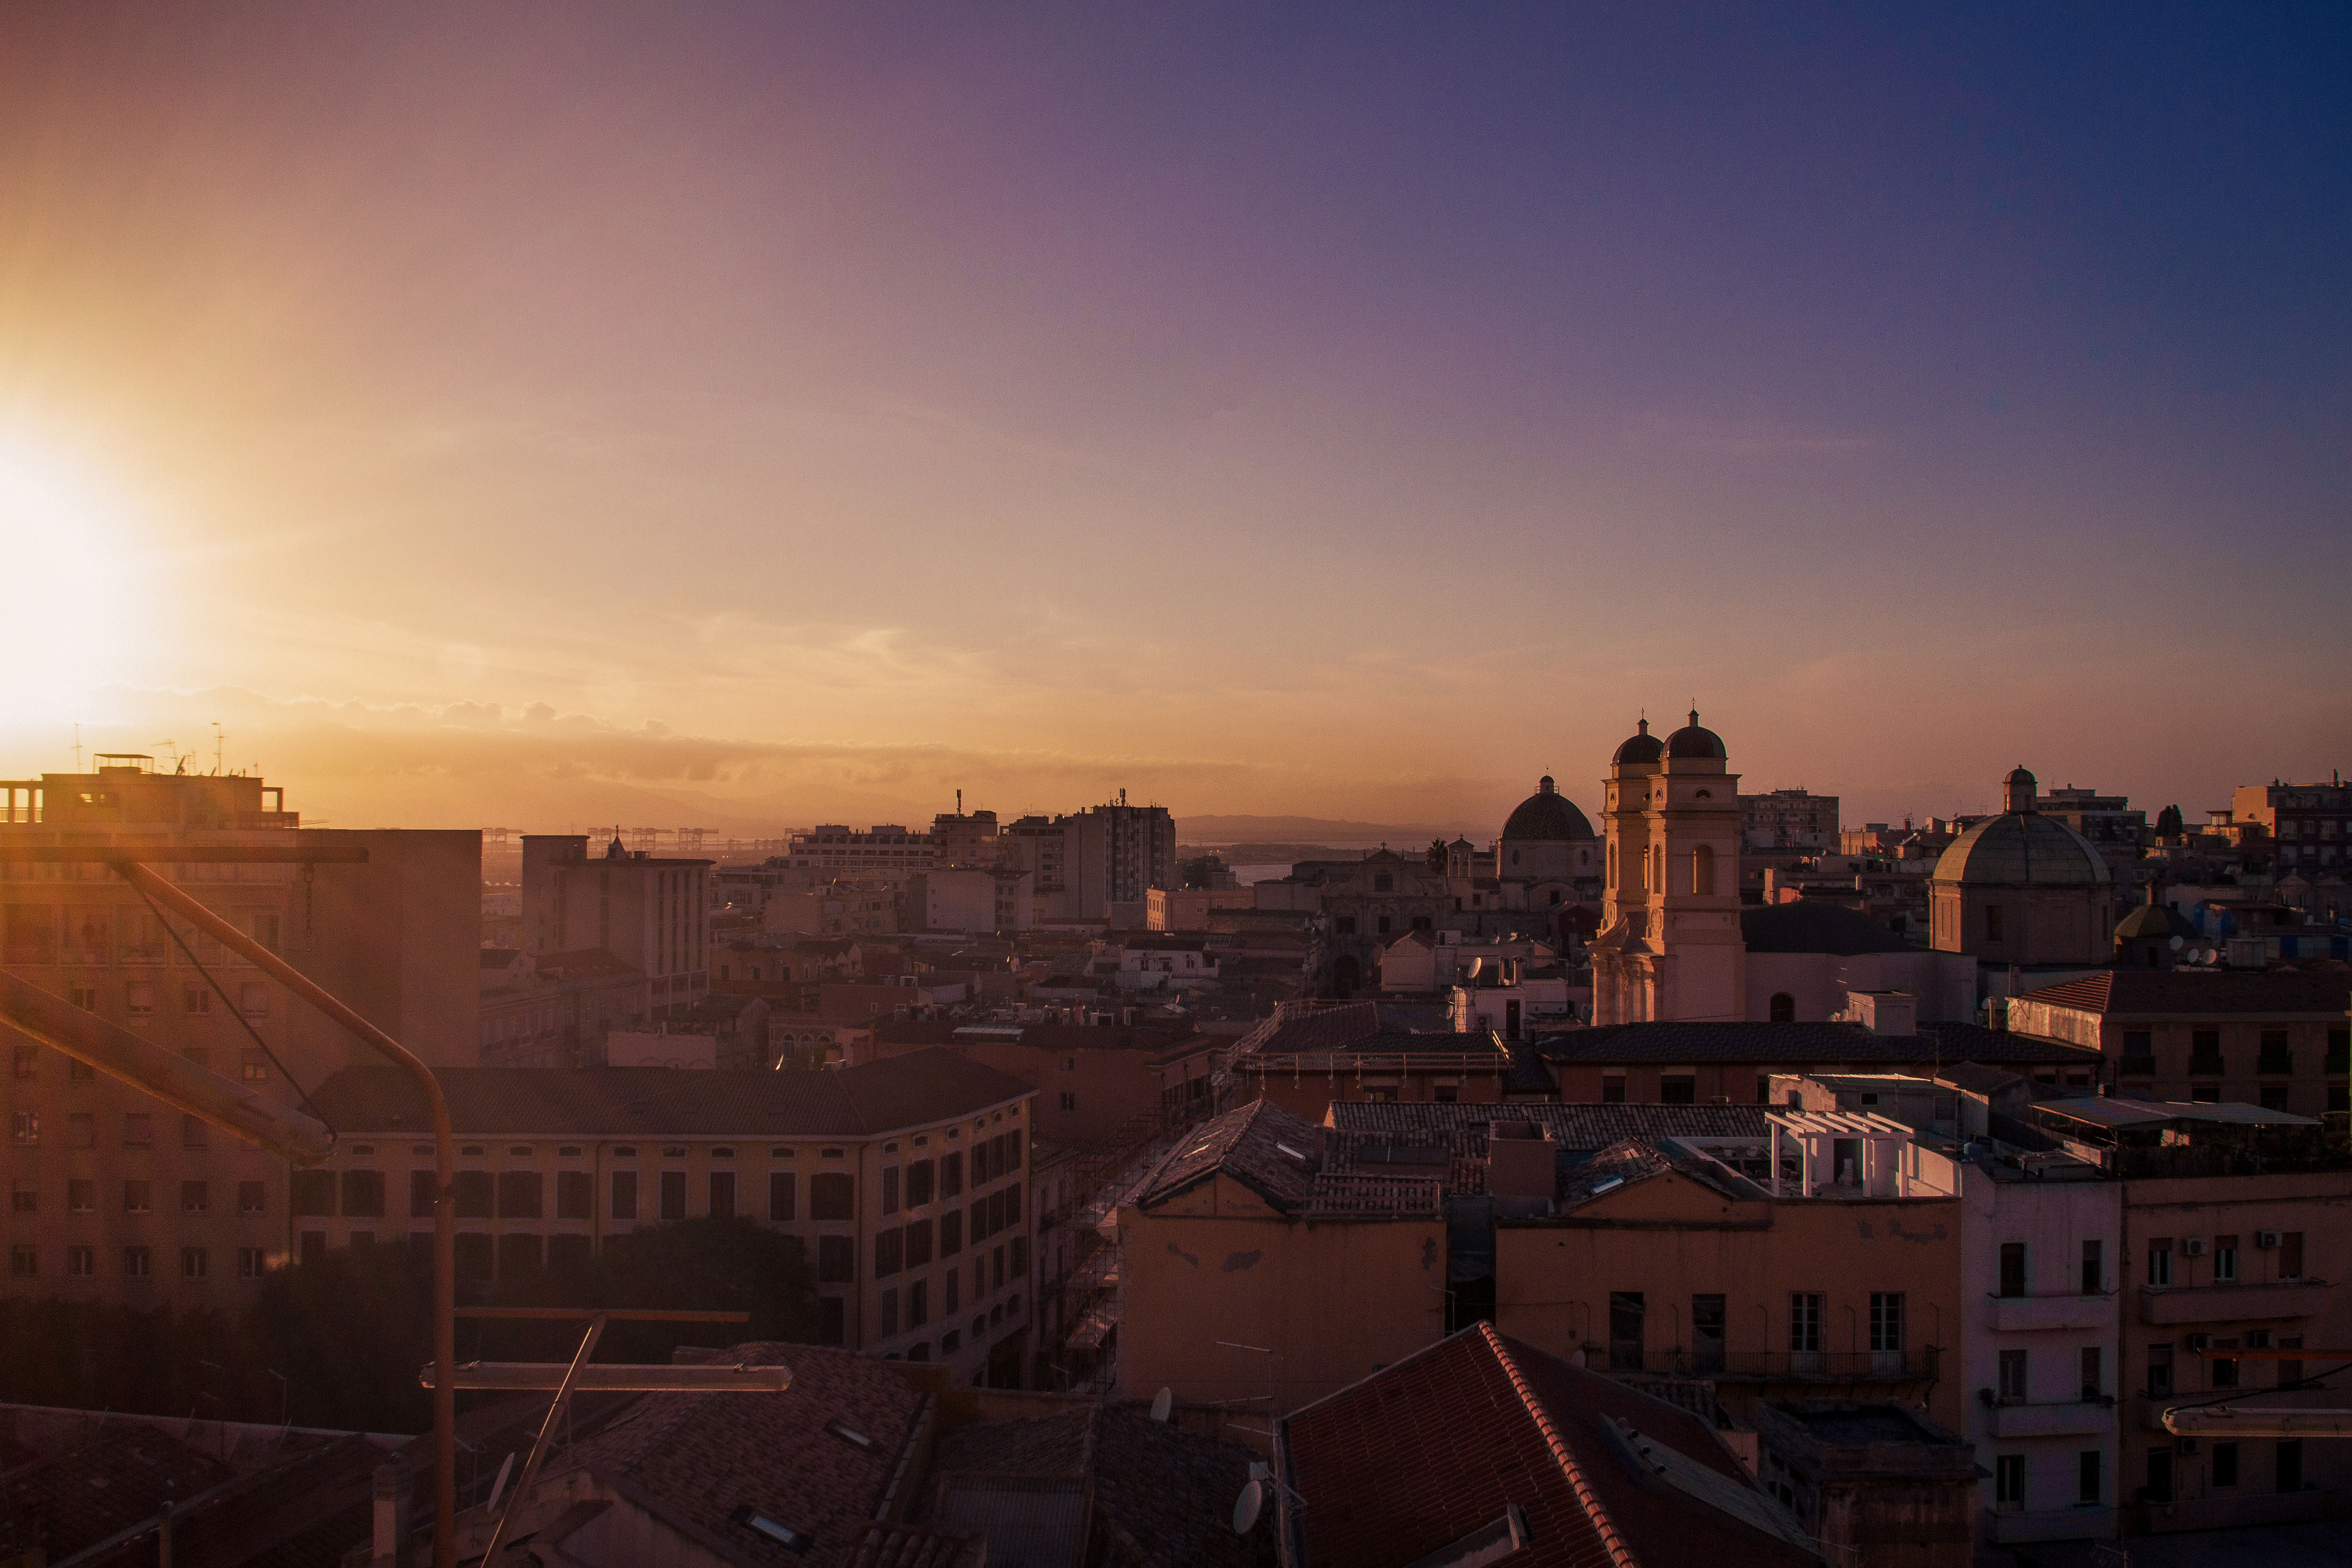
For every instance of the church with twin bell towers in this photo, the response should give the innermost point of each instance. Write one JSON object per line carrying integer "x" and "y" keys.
{"x": 1670, "y": 946}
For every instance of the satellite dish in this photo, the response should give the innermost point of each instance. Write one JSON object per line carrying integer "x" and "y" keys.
{"x": 2178, "y": 942}
{"x": 1248, "y": 1506}
{"x": 1162, "y": 1403}
{"x": 500, "y": 1485}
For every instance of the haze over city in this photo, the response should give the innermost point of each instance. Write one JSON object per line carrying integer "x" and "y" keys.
{"x": 761, "y": 415}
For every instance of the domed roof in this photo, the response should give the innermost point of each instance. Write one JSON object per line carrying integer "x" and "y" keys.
{"x": 2154, "y": 919}
{"x": 2023, "y": 848}
{"x": 1692, "y": 741}
{"x": 1641, "y": 746}
{"x": 1547, "y": 815}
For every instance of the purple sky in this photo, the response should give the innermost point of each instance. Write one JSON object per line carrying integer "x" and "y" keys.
{"x": 1351, "y": 412}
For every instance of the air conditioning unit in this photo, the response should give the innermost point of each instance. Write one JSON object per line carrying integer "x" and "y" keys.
{"x": 2194, "y": 1247}
{"x": 2265, "y": 1238}
{"x": 2188, "y": 1446}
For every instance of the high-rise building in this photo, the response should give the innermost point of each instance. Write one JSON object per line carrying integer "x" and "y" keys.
{"x": 113, "y": 1195}
{"x": 2310, "y": 823}
{"x": 1098, "y": 864}
{"x": 652, "y": 914}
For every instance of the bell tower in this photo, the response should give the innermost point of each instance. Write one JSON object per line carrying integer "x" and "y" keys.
{"x": 1670, "y": 946}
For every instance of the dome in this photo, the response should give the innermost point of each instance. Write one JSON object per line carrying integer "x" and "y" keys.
{"x": 1641, "y": 747}
{"x": 1547, "y": 816}
{"x": 2154, "y": 920}
{"x": 2021, "y": 849}
{"x": 1693, "y": 740}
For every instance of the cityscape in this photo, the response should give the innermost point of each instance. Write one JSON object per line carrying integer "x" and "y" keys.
{"x": 1306, "y": 789}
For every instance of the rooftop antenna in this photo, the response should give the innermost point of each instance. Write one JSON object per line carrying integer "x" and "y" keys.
{"x": 77, "y": 748}
{"x": 219, "y": 743}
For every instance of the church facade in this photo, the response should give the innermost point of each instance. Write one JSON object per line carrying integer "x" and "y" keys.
{"x": 1670, "y": 946}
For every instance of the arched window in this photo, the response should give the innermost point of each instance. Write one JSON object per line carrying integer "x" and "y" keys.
{"x": 1612, "y": 865}
{"x": 1784, "y": 1008}
{"x": 1703, "y": 868}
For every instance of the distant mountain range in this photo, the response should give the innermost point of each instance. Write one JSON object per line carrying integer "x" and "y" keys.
{"x": 1338, "y": 832}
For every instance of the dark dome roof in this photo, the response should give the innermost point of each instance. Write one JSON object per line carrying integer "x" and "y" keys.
{"x": 2019, "y": 849}
{"x": 1547, "y": 815}
{"x": 1811, "y": 926}
{"x": 1693, "y": 740}
{"x": 2154, "y": 919}
{"x": 1641, "y": 747}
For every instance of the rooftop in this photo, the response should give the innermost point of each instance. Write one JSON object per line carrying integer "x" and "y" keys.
{"x": 1277, "y": 1155}
{"x": 877, "y": 1096}
{"x": 1480, "y": 1435}
{"x": 1823, "y": 1043}
{"x": 2157, "y": 992}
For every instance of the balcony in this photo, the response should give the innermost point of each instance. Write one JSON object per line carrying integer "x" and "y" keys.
{"x": 2274, "y": 1064}
{"x": 2232, "y": 1303}
{"x": 2050, "y": 1524}
{"x": 2024, "y": 1314}
{"x": 2065, "y": 1419}
{"x": 2136, "y": 1067}
{"x": 2227, "y": 1512}
{"x": 1769, "y": 1366}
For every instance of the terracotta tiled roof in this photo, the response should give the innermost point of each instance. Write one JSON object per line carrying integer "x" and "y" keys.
{"x": 1248, "y": 1144}
{"x": 1436, "y": 1447}
{"x": 906, "y": 1546}
{"x": 2159, "y": 991}
{"x": 1460, "y": 1127}
{"x": 875, "y": 1097}
{"x": 110, "y": 1478}
{"x": 700, "y": 1456}
{"x": 1637, "y": 1159}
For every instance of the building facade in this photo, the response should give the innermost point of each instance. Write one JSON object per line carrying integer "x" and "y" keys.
{"x": 1790, "y": 819}
{"x": 2023, "y": 889}
{"x": 1670, "y": 944}
{"x": 2310, "y": 824}
{"x": 653, "y": 914}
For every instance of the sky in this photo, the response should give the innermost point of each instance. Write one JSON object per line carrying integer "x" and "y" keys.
{"x": 756, "y": 414}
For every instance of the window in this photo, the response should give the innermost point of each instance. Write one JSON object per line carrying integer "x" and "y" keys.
{"x": 950, "y": 1233}
{"x": 23, "y": 1261}
{"x": 138, "y": 1130}
{"x": 836, "y": 1259}
{"x": 1019, "y": 1257}
{"x": 194, "y": 1262}
{"x": 24, "y": 1196}
{"x": 2225, "y": 1259}
{"x": 832, "y": 1321}
{"x": 673, "y": 1194}
{"x": 783, "y": 1192}
{"x": 919, "y": 1300}
{"x": 2090, "y": 1476}
{"x": 1805, "y": 1323}
{"x": 2013, "y": 1268}
{"x": 81, "y": 1130}
{"x": 420, "y": 1195}
{"x": 2159, "y": 1260}
{"x": 253, "y": 999}
{"x": 575, "y": 1194}
{"x": 476, "y": 1254}
{"x": 1069, "y": 1101}
{"x": 890, "y": 1189}
{"x": 2290, "y": 1266}
{"x": 890, "y": 1313}
{"x": 918, "y": 1242}
{"x": 81, "y": 1197}
{"x": 363, "y": 1195}
{"x": 625, "y": 1194}
{"x": 195, "y": 1197}
{"x": 26, "y": 1061}
{"x": 196, "y": 999}
{"x": 889, "y": 1252}
{"x": 722, "y": 1194}
{"x": 1626, "y": 1311}
{"x": 833, "y": 1195}
{"x": 138, "y": 1263}
{"x": 2290, "y": 1465}
{"x": 252, "y": 1197}
{"x": 312, "y": 1192}
{"x": 1679, "y": 1089}
{"x": 2159, "y": 1371}
{"x": 2222, "y": 1470}
{"x": 2094, "y": 1268}
{"x": 2008, "y": 1480}
{"x": 519, "y": 1253}
{"x": 81, "y": 1261}
{"x": 950, "y": 1174}
{"x": 251, "y": 1263}
{"x": 1885, "y": 1321}
{"x": 2014, "y": 1376}
{"x": 954, "y": 1280}
{"x": 138, "y": 1197}
{"x": 254, "y": 1066}
{"x": 193, "y": 1132}
{"x": 2090, "y": 1367}
{"x": 1613, "y": 1090}
{"x": 920, "y": 1183}
{"x": 1992, "y": 928}
{"x": 1703, "y": 870}
{"x": 476, "y": 1194}
{"x": 139, "y": 999}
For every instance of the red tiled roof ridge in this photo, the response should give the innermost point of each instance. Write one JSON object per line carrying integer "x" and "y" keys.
{"x": 1620, "y": 1553}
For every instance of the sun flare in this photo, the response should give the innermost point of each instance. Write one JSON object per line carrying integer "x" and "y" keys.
{"x": 69, "y": 621}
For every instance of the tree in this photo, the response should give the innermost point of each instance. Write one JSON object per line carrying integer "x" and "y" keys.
{"x": 2167, "y": 823}
{"x": 1437, "y": 856}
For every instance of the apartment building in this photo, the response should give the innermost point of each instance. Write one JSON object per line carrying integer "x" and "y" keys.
{"x": 113, "y": 1197}
{"x": 902, "y": 1180}
{"x": 652, "y": 913}
{"x": 887, "y": 848}
{"x": 1098, "y": 864}
{"x": 2310, "y": 824}
{"x": 2280, "y": 1040}
{"x": 1094, "y": 1082}
{"x": 1790, "y": 819}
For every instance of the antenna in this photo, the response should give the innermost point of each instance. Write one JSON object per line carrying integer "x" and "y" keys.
{"x": 77, "y": 748}
{"x": 219, "y": 742}
{"x": 1162, "y": 1403}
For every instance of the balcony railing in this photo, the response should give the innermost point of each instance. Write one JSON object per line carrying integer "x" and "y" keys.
{"x": 2232, "y": 1303}
{"x": 1769, "y": 1366}
{"x": 2013, "y": 1314}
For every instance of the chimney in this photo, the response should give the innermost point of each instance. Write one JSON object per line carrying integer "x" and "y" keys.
{"x": 393, "y": 1522}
